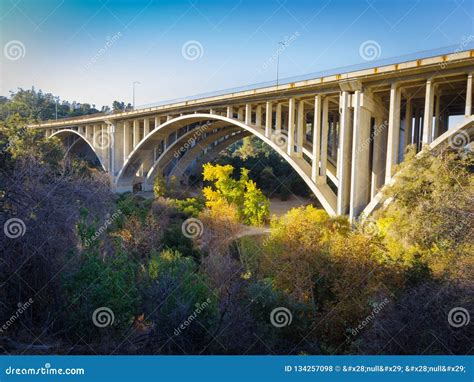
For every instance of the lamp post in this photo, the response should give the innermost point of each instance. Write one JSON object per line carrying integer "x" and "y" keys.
{"x": 134, "y": 83}
{"x": 56, "y": 106}
{"x": 278, "y": 60}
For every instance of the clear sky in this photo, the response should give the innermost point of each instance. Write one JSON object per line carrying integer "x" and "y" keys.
{"x": 93, "y": 50}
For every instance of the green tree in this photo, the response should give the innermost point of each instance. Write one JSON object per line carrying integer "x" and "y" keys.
{"x": 243, "y": 194}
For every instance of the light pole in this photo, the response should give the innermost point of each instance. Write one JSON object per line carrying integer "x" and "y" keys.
{"x": 278, "y": 59}
{"x": 56, "y": 104}
{"x": 134, "y": 83}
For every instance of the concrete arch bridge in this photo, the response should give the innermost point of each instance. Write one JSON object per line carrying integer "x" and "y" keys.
{"x": 342, "y": 131}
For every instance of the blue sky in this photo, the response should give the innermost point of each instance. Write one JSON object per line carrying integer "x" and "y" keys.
{"x": 93, "y": 50}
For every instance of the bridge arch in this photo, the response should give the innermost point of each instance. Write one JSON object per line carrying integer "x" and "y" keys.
{"x": 142, "y": 151}
{"x": 64, "y": 134}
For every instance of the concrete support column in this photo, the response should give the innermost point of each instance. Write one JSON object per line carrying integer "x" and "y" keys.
{"x": 468, "y": 111}
{"x": 393, "y": 138}
{"x": 428, "y": 115}
{"x": 324, "y": 139}
{"x": 408, "y": 123}
{"x": 94, "y": 135}
{"x": 169, "y": 117}
{"x": 248, "y": 114}
{"x": 360, "y": 170}
{"x": 157, "y": 122}
{"x": 118, "y": 147}
{"x": 258, "y": 116}
{"x": 136, "y": 132}
{"x": 268, "y": 119}
{"x": 300, "y": 129}
{"x": 278, "y": 119}
{"x": 378, "y": 155}
{"x": 240, "y": 114}
{"x": 344, "y": 154}
{"x": 88, "y": 131}
{"x": 437, "y": 114}
{"x": 146, "y": 127}
{"x": 316, "y": 138}
{"x": 230, "y": 112}
{"x": 127, "y": 140}
{"x": 111, "y": 148}
{"x": 291, "y": 126}
{"x": 334, "y": 137}
{"x": 416, "y": 133}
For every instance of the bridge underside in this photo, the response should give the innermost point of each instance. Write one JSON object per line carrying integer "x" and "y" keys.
{"x": 344, "y": 138}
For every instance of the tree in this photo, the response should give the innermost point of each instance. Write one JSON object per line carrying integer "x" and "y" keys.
{"x": 118, "y": 107}
{"x": 243, "y": 194}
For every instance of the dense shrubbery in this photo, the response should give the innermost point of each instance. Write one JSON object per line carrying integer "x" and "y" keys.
{"x": 386, "y": 286}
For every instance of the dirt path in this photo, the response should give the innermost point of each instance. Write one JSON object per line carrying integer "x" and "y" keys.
{"x": 279, "y": 207}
